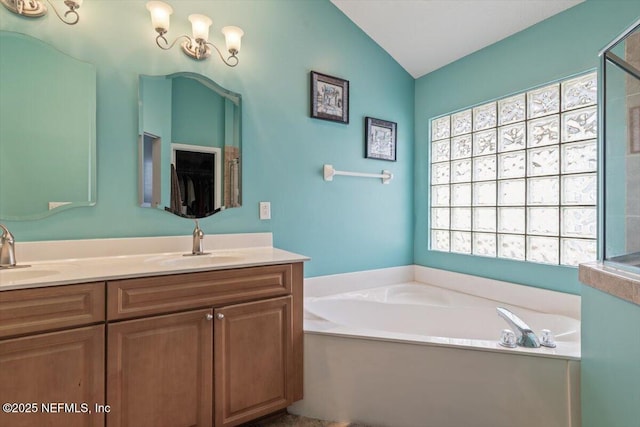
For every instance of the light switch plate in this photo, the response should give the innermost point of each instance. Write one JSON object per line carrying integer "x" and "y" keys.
{"x": 265, "y": 210}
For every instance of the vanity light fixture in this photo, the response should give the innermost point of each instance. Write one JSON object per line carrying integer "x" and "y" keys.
{"x": 37, "y": 8}
{"x": 197, "y": 47}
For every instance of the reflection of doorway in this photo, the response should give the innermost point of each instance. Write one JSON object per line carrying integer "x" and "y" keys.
{"x": 198, "y": 172}
{"x": 150, "y": 153}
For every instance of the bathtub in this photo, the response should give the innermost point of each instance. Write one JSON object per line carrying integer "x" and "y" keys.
{"x": 417, "y": 347}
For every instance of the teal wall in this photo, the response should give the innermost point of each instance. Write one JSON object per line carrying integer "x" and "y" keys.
{"x": 349, "y": 224}
{"x": 155, "y": 111}
{"x": 197, "y": 114}
{"x": 565, "y": 44}
{"x": 610, "y": 368}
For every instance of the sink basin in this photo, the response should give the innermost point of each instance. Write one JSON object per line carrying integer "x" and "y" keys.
{"x": 195, "y": 260}
{"x": 201, "y": 260}
{"x": 11, "y": 275}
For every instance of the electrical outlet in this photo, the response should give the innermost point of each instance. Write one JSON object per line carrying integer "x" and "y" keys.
{"x": 265, "y": 210}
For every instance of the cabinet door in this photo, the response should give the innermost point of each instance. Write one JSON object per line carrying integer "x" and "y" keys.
{"x": 58, "y": 378}
{"x": 159, "y": 371}
{"x": 253, "y": 360}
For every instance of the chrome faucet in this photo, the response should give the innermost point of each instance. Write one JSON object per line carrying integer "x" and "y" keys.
{"x": 198, "y": 237}
{"x": 8, "y": 249}
{"x": 524, "y": 334}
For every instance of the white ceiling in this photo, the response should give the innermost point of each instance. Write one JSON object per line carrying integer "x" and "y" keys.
{"x": 424, "y": 35}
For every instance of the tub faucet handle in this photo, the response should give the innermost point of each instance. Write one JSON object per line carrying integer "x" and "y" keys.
{"x": 547, "y": 339}
{"x": 508, "y": 339}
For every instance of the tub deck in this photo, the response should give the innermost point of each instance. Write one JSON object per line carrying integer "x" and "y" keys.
{"x": 420, "y": 313}
{"x": 384, "y": 349}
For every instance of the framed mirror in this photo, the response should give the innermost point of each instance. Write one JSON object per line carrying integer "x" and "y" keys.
{"x": 189, "y": 145}
{"x": 48, "y": 131}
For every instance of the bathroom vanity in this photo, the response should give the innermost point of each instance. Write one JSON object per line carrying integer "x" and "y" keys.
{"x": 154, "y": 340}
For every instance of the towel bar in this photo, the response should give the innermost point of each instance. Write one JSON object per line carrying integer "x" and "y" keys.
{"x": 330, "y": 172}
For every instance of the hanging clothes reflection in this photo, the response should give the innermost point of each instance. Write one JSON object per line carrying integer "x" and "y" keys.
{"x": 193, "y": 184}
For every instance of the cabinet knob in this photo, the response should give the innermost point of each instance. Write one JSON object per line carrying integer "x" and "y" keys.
{"x": 220, "y": 316}
{"x": 209, "y": 316}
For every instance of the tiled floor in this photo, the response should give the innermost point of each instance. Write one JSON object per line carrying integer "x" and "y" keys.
{"x": 288, "y": 420}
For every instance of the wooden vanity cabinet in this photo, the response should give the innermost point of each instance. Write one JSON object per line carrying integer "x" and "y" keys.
{"x": 51, "y": 362}
{"x": 216, "y": 348}
{"x": 160, "y": 370}
{"x": 253, "y": 360}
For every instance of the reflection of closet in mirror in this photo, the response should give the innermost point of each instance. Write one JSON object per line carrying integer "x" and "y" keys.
{"x": 191, "y": 110}
{"x": 195, "y": 180}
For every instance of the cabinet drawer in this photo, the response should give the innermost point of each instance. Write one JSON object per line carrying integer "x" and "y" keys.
{"x": 24, "y": 311}
{"x": 163, "y": 294}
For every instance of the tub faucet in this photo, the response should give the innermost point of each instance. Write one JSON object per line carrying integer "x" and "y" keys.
{"x": 198, "y": 237}
{"x": 7, "y": 250}
{"x": 524, "y": 334}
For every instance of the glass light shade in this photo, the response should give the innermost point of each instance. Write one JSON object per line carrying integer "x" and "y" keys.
{"x": 160, "y": 14}
{"x": 233, "y": 36}
{"x": 200, "y": 26}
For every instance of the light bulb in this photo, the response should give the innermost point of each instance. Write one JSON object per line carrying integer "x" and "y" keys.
{"x": 200, "y": 26}
{"x": 160, "y": 15}
{"x": 233, "y": 36}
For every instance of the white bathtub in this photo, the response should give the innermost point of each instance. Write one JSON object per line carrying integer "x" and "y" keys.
{"x": 417, "y": 347}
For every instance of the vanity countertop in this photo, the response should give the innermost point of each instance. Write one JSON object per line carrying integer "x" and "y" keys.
{"x": 52, "y": 272}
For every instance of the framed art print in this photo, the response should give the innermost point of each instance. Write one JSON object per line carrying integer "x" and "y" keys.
{"x": 329, "y": 98}
{"x": 380, "y": 139}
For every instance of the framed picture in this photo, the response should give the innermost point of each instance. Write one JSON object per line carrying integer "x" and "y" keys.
{"x": 329, "y": 98}
{"x": 380, "y": 139}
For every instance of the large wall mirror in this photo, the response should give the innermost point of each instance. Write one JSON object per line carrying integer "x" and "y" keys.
{"x": 189, "y": 145}
{"x": 48, "y": 131}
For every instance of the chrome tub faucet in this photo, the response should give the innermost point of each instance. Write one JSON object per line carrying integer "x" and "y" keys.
{"x": 8, "y": 249}
{"x": 525, "y": 337}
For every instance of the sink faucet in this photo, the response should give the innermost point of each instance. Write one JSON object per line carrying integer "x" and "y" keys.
{"x": 198, "y": 237}
{"x": 7, "y": 250}
{"x": 524, "y": 334}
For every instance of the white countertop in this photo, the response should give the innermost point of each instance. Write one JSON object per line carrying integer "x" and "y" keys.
{"x": 52, "y": 272}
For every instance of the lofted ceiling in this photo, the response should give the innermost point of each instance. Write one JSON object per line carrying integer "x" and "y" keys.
{"x": 424, "y": 35}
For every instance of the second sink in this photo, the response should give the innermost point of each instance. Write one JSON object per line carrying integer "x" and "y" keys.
{"x": 196, "y": 260}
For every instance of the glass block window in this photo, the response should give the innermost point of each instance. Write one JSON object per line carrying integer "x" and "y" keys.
{"x": 516, "y": 178}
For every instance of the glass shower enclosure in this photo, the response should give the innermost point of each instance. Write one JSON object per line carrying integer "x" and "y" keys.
{"x": 620, "y": 162}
